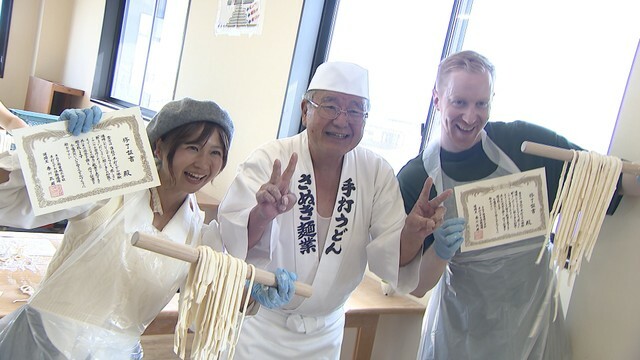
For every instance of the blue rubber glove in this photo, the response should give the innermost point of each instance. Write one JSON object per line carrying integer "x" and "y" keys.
{"x": 448, "y": 237}
{"x": 81, "y": 120}
{"x": 276, "y": 296}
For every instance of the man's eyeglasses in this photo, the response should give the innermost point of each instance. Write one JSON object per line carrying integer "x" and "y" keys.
{"x": 332, "y": 112}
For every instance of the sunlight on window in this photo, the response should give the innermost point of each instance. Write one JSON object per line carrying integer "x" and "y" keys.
{"x": 563, "y": 65}
{"x": 400, "y": 53}
{"x": 149, "y": 52}
{"x": 164, "y": 55}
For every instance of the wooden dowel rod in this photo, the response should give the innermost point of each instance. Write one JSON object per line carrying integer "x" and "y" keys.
{"x": 556, "y": 153}
{"x": 185, "y": 253}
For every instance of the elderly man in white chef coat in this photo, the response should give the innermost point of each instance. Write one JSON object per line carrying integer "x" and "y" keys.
{"x": 334, "y": 209}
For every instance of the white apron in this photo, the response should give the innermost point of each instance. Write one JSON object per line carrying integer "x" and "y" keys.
{"x": 99, "y": 300}
{"x": 492, "y": 303}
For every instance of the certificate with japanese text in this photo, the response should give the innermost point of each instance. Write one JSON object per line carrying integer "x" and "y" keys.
{"x": 62, "y": 170}
{"x": 503, "y": 210}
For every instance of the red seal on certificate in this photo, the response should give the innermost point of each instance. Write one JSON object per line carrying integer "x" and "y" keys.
{"x": 56, "y": 190}
{"x": 478, "y": 235}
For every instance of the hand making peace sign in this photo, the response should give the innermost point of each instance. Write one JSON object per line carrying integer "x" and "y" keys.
{"x": 274, "y": 197}
{"x": 426, "y": 215}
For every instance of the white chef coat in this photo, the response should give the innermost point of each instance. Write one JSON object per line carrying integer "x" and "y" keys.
{"x": 365, "y": 229}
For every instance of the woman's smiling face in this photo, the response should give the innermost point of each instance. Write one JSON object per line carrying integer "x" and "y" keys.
{"x": 194, "y": 163}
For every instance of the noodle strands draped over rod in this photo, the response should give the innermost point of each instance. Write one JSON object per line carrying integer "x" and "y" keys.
{"x": 212, "y": 299}
{"x": 587, "y": 184}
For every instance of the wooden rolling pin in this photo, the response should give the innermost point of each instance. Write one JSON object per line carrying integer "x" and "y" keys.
{"x": 556, "y": 153}
{"x": 189, "y": 254}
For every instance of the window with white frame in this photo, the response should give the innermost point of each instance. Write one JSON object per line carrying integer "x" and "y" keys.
{"x": 563, "y": 65}
{"x": 140, "y": 50}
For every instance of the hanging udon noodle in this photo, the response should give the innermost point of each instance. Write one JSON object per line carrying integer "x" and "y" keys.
{"x": 212, "y": 301}
{"x": 586, "y": 187}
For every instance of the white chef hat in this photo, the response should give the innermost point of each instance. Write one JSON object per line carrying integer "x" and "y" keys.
{"x": 343, "y": 77}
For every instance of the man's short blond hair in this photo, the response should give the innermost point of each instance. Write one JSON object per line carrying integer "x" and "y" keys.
{"x": 467, "y": 60}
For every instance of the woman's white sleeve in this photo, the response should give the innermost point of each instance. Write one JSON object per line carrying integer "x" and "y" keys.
{"x": 15, "y": 206}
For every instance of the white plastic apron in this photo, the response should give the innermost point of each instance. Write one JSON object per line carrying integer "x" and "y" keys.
{"x": 492, "y": 303}
{"x": 102, "y": 297}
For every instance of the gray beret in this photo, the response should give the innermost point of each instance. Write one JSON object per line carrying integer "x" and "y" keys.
{"x": 181, "y": 112}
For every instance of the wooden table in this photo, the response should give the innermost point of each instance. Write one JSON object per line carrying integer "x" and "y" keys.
{"x": 209, "y": 205}
{"x": 363, "y": 309}
{"x": 34, "y": 251}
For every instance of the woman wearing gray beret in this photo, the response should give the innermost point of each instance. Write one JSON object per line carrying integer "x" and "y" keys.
{"x": 100, "y": 293}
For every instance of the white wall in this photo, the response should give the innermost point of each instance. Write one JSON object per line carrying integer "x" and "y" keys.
{"x": 603, "y": 314}
{"x": 20, "y": 52}
{"x": 53, "y": 39}
{"x": 246, "y": 75}
{"x": 40, "y": 44}
{"x": 81, "y": 51}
